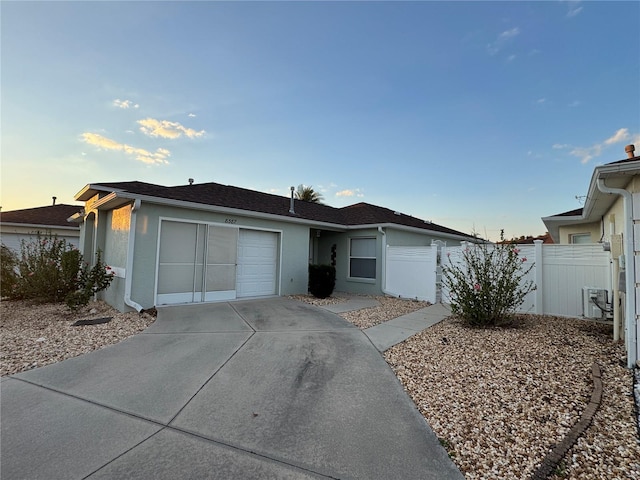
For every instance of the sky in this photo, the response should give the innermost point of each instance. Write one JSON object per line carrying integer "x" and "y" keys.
{"x": 479, "y": 116}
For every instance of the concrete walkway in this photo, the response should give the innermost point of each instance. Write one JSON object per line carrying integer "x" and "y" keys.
{"x": 251, "y": 389}
{"x": 390, "y": 333}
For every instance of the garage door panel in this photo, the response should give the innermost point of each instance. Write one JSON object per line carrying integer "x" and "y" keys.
{"x": 222, "y": 246}
{"x": 257, "y": 260}
{"x": 175, "y": 278}
{"x": 178, "y": 242}
{"x": 221, "y": 277}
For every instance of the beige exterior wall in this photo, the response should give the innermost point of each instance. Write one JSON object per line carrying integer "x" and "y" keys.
{"x": 594, "y": 229}
{"x": 614, "y": 220}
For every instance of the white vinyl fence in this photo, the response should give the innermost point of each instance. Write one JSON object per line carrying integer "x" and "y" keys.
{"x": 411, "y": 272}
{"x": 560, "y": 272}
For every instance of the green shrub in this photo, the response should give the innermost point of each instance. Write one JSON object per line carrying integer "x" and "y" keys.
{"x": 50, "y": 269}
{"x": 487, "y": 288}
{"x": 8, "y": 273}
{"x": 90, "y": 281}
{"x": 322, "y": 280}
{"x": 47, "y": 269}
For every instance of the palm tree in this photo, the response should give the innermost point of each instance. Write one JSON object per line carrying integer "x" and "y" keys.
{"x": 308, "y": 194}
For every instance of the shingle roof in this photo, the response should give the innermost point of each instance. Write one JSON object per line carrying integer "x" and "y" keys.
{"x": 626, "y": 160}
{"x": 244, "y": 199}
{"x": 52, "y": 215}
{"x": 571, "y": 213}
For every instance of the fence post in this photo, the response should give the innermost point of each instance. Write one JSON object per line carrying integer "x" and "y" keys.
{"x": 538, "y": 271}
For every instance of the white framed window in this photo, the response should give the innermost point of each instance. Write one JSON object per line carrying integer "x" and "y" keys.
{"x": 580, "y": 238}
{"x": 362, "y": 257}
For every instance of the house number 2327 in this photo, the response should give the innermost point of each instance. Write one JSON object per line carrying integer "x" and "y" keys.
{"x": 230, "y": 220}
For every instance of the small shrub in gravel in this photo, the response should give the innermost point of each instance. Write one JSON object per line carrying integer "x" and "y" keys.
{"x": 89, "y": 281}
{"x": 322, "y": 280}
{"x": 488, "y": 286}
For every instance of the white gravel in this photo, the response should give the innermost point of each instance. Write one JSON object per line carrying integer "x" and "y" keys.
{"x": 33, "y": 335}
{"x": 500, "y": 399}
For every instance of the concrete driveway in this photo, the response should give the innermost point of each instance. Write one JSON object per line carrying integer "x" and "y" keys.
{"x": 251, "y": 389}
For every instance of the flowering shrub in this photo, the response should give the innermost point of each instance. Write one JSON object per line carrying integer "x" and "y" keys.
{"x": 487, "y": 288}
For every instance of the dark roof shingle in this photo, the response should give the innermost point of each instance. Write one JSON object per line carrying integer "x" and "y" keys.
{"x": 229, "y": 196}
{"x": 52, "y": 215}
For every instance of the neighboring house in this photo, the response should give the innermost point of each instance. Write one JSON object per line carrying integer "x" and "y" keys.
{"x": 611, "y": 216}
{"x": 19, "y": 225}
{"x": 207, "y": 242}
{"x": 529, "y": 240}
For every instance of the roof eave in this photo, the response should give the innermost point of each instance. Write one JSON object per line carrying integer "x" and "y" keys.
{"x": 91, "y": 190}
{"x": 407, "y": 228}
{"x": 37, "y": 225}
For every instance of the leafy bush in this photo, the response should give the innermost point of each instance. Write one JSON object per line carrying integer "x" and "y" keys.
{"x": 8, "y": 274}
{"x": 50, "y": 269}
{"x": 90, "y": 281}
{"x": 47, "y": 269}
{"x": 322, "y": 280}
{"x": 488, "y": 286}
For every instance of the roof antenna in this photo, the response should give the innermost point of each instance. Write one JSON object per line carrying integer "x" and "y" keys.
{"x": 54, "y": 200}
{"x": 291, "y": 210}
{"x": 191, "y": 181}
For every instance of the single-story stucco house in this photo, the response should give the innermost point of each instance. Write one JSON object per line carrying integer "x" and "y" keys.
{"x": 611, "y": 216}
{"x": 207, "y": 242}
{"x": 24, "y": 225}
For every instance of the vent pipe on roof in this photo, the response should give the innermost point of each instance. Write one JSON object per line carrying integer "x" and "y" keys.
{"x": 191, "y": 181}
{"x": 54, "y": 200}
{"x": 630, "y": 149}
{"x": 291, "y": 210}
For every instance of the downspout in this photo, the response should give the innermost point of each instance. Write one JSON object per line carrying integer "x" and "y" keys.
{"x": 630, "y": 275}
{"x": 130, "y": 249}
{"x": 383, "y": 280}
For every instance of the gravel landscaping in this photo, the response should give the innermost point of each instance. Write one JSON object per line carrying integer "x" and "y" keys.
{"x": 499, "y": 399}
{"x": 33, "y": 335}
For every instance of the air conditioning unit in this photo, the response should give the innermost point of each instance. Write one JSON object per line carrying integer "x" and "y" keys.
{"x": 594, "y": 303}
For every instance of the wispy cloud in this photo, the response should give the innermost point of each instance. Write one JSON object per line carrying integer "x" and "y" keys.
{"x": 575, "y": 103}
{"x": 620, "y": 136}
{"x": 191, "y": 115}
{"x": 167, "y": 129}
{"x": 494, "y": 47}
{"x": 158, "y": 157}
{"x": 574, "y": 8}
{"x": 350, "y": 193}
{"x": 586, "y": 154}
{"x": 540, "y": 101}
{"x": 125, "y": 104}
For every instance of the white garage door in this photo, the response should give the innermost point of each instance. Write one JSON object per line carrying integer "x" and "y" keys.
{"x": 257, "y": 260}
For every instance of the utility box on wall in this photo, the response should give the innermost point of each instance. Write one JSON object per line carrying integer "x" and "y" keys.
{"x": 594, "y": 303}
